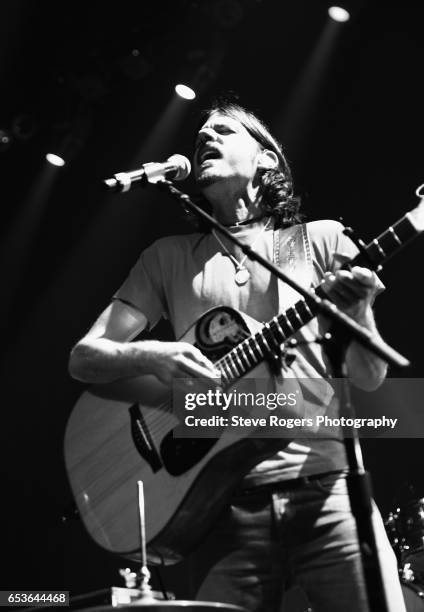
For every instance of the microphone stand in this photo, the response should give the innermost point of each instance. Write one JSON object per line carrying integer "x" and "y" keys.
{"x": 359, "y": 484}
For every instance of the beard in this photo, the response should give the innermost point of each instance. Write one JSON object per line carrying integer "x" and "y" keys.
{"x": 207, "y": 178}
{"x": 206, "y": 181}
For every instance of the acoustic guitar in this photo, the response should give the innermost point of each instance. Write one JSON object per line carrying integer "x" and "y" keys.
{"x": 120, "y": 433}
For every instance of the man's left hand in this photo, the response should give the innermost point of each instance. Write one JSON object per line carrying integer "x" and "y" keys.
{"x": 352, "y": 291}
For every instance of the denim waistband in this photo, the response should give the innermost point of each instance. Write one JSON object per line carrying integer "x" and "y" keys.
{"x": 286, "y": 485}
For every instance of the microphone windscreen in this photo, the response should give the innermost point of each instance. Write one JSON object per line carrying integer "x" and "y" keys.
{"x": 183, "y": 166}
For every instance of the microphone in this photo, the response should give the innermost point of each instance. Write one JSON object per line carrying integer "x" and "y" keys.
{"x": 177, "y": 167}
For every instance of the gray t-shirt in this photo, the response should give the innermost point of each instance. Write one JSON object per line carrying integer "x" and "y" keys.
{"x": 180, "y": 277}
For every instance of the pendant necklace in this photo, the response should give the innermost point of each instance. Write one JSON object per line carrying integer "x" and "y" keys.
{"x": 242, "y": 274}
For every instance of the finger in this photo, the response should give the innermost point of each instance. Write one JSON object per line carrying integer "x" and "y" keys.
{"x": 204, "y": 362}
{"x": 188, "y": 366}
{"x": 342, "y": 299}
{"x": 359, "y": 278}
{"x": 353, "y": 291}
{"x": 344, "y": 290}
{"x": 192, "y": 352}
{"x": 365, "y": 276}
{"x": 341, "y": 283}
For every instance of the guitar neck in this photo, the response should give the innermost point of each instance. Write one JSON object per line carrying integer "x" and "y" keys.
{"x": 258, "y": 347}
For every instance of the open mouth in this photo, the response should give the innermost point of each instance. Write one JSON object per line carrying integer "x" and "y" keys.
{"x": 207, "y": 154}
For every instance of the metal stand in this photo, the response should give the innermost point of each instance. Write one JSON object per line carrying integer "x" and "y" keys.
{"x": 146, "y": 595}
{"x": 360, "y": 496}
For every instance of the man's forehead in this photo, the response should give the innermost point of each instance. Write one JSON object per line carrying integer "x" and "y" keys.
{"x": 219, "y": 119}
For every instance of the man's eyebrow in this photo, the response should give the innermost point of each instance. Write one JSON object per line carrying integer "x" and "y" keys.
{"x": 218, "y": 125}
{"x": 227, "y": 126}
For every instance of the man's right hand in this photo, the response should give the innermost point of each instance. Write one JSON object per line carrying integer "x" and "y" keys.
{"x": 170, "y": 360}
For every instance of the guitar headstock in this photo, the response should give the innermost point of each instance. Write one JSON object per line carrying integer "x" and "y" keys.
{"x": 416, "y": 215}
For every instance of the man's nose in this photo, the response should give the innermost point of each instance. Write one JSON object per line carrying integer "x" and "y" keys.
{"x": 206, "y": 134}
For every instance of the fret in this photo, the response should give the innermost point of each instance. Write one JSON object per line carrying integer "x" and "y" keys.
{"x": 256, "y": 351}
{"x": 271, "y": 337}
{"x": 233, "y": 364}
{"x": 240, "y": 347}
{"x": 280, "y": 329}
{"x": 308, "y": 312}
{"x": 230, "y": 374}
{"x": 224, "y": 376}
{"x": 238, "y": 360}
{"x": 264, "y": 340}
{"x": 379, "y": 247}
{"x": 395, "y": 236}
{"x": 283, "y": 318}
{"x": 251, "y": 353}
{"x": 258, "y": 348}
{"x": 297, "y": 313}
{"x": 233, "y": 371}
{"x": 389, "y": 242}
{"x": 291, "y": 314}
{"x": 404, "y": 229}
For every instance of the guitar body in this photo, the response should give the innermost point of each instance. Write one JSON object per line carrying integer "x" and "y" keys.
{"x": 119, "y": 433}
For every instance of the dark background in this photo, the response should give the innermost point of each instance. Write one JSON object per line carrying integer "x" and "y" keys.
{"x": 104, "y": 74}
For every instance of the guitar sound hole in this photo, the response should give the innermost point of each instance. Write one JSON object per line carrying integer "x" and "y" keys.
{"x": 220, "y": 328}
{"x": 181, "y": 454}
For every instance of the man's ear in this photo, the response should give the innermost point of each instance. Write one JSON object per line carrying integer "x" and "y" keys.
{"x": 267, "y": 160}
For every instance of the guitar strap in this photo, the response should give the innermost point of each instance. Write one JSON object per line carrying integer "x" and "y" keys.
{"x": 292, "y": 253}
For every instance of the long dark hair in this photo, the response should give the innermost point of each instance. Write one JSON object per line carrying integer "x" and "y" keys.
{"x": 276, "y": 184}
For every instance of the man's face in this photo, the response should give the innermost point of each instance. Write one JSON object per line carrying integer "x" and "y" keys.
{"x": 224, "y": 150}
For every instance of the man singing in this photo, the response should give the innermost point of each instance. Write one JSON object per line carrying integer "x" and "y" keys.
{"x": 289, "y": 521}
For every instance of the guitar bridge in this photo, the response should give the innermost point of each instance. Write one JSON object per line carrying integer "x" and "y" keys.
{"x": 143, "y": 440}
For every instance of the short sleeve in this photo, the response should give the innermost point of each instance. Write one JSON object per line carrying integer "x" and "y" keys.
{"x": 143, "y": 287}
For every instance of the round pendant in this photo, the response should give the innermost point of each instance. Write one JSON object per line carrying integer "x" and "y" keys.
{"x": 242, "y": 276}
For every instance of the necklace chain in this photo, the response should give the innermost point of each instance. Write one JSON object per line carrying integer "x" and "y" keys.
{"x": 242, "y": 274}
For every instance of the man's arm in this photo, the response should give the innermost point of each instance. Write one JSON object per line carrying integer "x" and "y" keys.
{"x": 105, "y": 353}
{"x": 354, "y": 292}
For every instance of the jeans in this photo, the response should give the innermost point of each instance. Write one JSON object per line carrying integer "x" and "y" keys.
{"x": 269, "y": 540}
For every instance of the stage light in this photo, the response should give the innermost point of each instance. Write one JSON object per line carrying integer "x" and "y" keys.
{"x": 5, "y": 140}
{"x": 185, "y": 92}
{"x": 55, "y": 160}
{"x": 337, "y": 13}
{"x": 66, "y": 149}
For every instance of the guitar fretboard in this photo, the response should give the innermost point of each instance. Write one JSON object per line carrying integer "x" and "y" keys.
{"x": 256, "y": 348}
